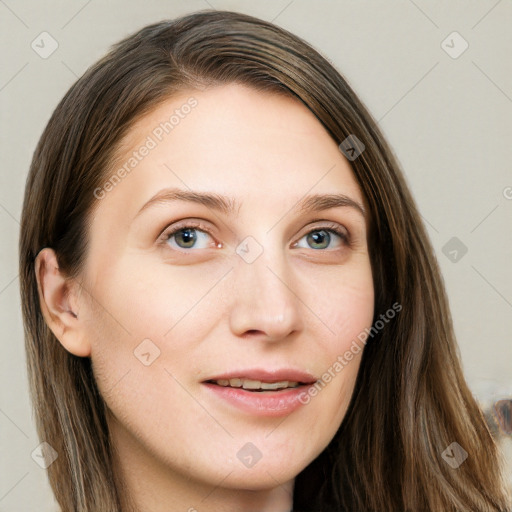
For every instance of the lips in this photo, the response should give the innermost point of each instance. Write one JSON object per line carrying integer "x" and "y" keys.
{"x": 260, "y": 392}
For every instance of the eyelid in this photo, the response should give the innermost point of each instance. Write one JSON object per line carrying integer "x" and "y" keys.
{"x": 330, "y": 226}
{"x": 171, "y": 230}
{"x": 319, "y": 225}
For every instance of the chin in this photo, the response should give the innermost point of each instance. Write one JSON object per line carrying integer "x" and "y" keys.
{"x": 264, "y": 477}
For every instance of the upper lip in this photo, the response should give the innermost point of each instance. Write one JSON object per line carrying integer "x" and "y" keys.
{"x": 278, "y": 375}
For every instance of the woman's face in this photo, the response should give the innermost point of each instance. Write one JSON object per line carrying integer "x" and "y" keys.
{"x": 244, "y": 277}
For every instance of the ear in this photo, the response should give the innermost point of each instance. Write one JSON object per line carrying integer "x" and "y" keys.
{"x": 59, "y": 304}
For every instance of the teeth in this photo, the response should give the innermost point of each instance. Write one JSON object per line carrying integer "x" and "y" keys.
{"x": 251, "y": 384}
{"x": 275, "y": 385}
{"x": 256, "y": 384}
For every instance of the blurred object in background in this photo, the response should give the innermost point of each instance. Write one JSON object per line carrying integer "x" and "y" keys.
{"x": 495, "y": 400}
{"x": 503, "y": 415}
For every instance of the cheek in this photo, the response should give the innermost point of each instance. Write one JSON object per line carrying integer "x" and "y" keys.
{"x": 143, "y": 320}
{"x": 344, "y": 304}
{"x": 343, "y": 309}
{"x": 143, "y": 299}
{"x": 351, "y": 314}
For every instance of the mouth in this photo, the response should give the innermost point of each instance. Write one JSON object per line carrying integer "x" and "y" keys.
{"x": 261, "y": 392}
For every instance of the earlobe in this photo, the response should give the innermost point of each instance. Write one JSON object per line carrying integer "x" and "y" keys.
{"x": 59, "y": 304}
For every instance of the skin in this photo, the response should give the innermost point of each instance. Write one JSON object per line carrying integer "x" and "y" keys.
{"x": 209, "y": 311}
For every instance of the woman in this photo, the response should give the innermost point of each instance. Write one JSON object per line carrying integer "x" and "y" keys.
{"x": 230, "y": 300}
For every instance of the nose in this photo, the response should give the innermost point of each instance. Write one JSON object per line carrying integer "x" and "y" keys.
{"x": 264, "y": 303}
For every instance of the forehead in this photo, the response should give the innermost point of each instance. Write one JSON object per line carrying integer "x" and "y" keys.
{"x": 232, "y": 140}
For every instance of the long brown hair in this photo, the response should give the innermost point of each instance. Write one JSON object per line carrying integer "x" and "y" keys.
{"x": 410, "y": 400}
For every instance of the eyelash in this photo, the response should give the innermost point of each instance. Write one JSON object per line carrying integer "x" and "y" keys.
{"x": 330, "y": 228}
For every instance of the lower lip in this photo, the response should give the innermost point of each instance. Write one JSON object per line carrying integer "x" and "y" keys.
{"x": 269, "y": 403}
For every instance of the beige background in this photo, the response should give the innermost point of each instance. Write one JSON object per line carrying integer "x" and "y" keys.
{"x": 448, "y": 119}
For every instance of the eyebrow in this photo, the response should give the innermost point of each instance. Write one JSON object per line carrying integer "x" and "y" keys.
{"x": 228, "y": 206}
